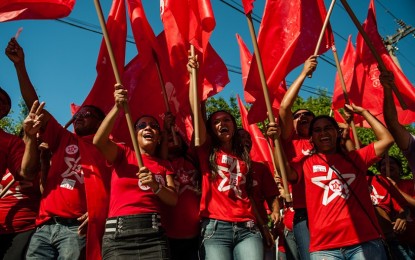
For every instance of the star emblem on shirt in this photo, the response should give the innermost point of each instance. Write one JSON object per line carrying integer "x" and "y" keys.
{"x": 375, "y": 196}
{"x": 334, "y": 187}
{"x": 235, "y": 179}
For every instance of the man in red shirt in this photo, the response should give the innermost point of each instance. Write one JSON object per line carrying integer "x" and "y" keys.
{"x": 70, "y": 184}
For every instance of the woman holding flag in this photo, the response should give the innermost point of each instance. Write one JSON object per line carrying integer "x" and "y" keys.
{"x": 229, "y": 227}
{"x": 133, "y": 227}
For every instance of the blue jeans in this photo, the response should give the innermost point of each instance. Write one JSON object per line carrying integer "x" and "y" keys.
{"x": 373, "y": 250}
{"x": 301, "y": 233}
{"x": 223, "y": 240}
{"x": 56, "y": 241}
{"x": 291, "y": 245}
{"x": 135, "y": 237}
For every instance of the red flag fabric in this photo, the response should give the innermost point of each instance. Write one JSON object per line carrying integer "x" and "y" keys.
{"x": 347, "y": 65}
{"x": 97, "y": 186}
{"x": 246, "y": 60}
{"x": 34, "y": 9}
{"x": 192, "y": 22}
{"x": 295, "y": 26}
{"x": 141, "y": 80}
{"x": 189, "y": 21}
{"x": 248, "y": 5}
{"x": 261, "y": 151}
{"x": 367, "y": 75}
{"x": 101, "y": 94}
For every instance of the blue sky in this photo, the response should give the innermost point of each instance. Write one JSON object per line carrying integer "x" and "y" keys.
{"x": 61, "y": 58}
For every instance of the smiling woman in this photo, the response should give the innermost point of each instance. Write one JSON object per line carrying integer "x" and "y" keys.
{"x": 133, "y": 227}
{"x": 339, "y": 208}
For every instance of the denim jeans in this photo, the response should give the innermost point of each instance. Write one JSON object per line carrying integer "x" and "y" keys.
{"x": 371, "y": 250}
{"x": 291, "y": 245}
{"x": 135, "y": 237}
{"x": 301, "y": 233}
{"x": 223, "y": 240}
{"x": 56, "y": 241}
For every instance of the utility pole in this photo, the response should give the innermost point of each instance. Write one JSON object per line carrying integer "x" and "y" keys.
{"x": 391, "y": 41}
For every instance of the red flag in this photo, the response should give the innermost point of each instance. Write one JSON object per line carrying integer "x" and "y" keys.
{"x": 367, "y": 75}
{"x": 347, "y": 65}
{"x": 34, "y": 9}
{"x": 97, "y": 186}
{"x": 260, "y": 151}
{"x": 189, "y": 21}
{"x": 248, "y": 5}
{"x": 246, "y": 59}
{"x": 295, "y": 26}
{"x": 101, "y": 94}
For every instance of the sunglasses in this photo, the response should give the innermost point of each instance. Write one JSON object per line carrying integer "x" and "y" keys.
{"x": 85, "y": 114}
{"x": 307, "y": 113}
{"x": 143, "y": 125}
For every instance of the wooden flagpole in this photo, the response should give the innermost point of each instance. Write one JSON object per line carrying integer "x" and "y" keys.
{"x": 193, "y": 82}
{"x": 346, "y": 96}
{"x": 323, "y": 30}
{"x": 369, "y": 43}
{"x": 118, "y": 79}
{"x": 163, "y": 89}
{"x": 278, "y": 153}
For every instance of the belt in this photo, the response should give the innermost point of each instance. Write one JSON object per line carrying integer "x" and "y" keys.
{"x": 247, "y": 224}
{"x": 139, "y": 221}
{"x": 63, "y": 221}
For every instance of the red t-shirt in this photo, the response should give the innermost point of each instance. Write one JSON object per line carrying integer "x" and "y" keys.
{"x": 264, "y": 187}
{"x": 182, "y": 221}
{"x": 336, "y": 218}
{"x": 64, "y": 191}
{"x": 128, "y": 196}
{"x": 382, "y": 195}
{"x": 19, "y": 206}
{"x": 295, "y": 147}
{"x": 224, "y": 197}
{"x": 11, "y": 153}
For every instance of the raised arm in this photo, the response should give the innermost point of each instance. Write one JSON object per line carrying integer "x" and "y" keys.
{"x": 398, "y": 131}
{"x": 102, "y": 137}
{"x": 285, "y": 113}
{"x": 16, "y": 54}
{"x": 384, "y": 138}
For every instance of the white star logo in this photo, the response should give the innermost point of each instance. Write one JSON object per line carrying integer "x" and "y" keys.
{"x": 374, "y": 195}
{"x": 74, "y": 169}
{"x": 236, "y": 178}
{"x": 333, "y": 187}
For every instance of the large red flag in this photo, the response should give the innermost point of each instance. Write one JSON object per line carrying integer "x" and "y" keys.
{"x": 101, "y": 94}
{"x": 260, "y": 151}
{"x": 367, "y": 75}
{"x": 192, "y": 22}
{"x": 287, "y": 36}
{"x": 34, "y": 9}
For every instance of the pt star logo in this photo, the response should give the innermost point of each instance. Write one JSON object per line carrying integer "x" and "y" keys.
{"x": 375, "y": 196}
{"x": 333, "y": 187}
{"x": 235, "y": 179}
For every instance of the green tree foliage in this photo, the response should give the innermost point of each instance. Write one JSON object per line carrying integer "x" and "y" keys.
{"x": 320, "y": 105}
{"x": 12, "y": 126}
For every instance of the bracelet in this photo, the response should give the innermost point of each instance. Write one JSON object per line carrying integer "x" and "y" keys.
{"x": 158, "y": 189}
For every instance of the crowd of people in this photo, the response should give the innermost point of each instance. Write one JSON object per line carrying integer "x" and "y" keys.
{"x": 174, "y": 200}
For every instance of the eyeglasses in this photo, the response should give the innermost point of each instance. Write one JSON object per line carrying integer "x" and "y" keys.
{"x": 307, "y": 113}
{"x": 143, "y": 125}
{"x": 85, "y": 114}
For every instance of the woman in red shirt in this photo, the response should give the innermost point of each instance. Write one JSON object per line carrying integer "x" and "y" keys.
{"x": 133, "y": 227}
